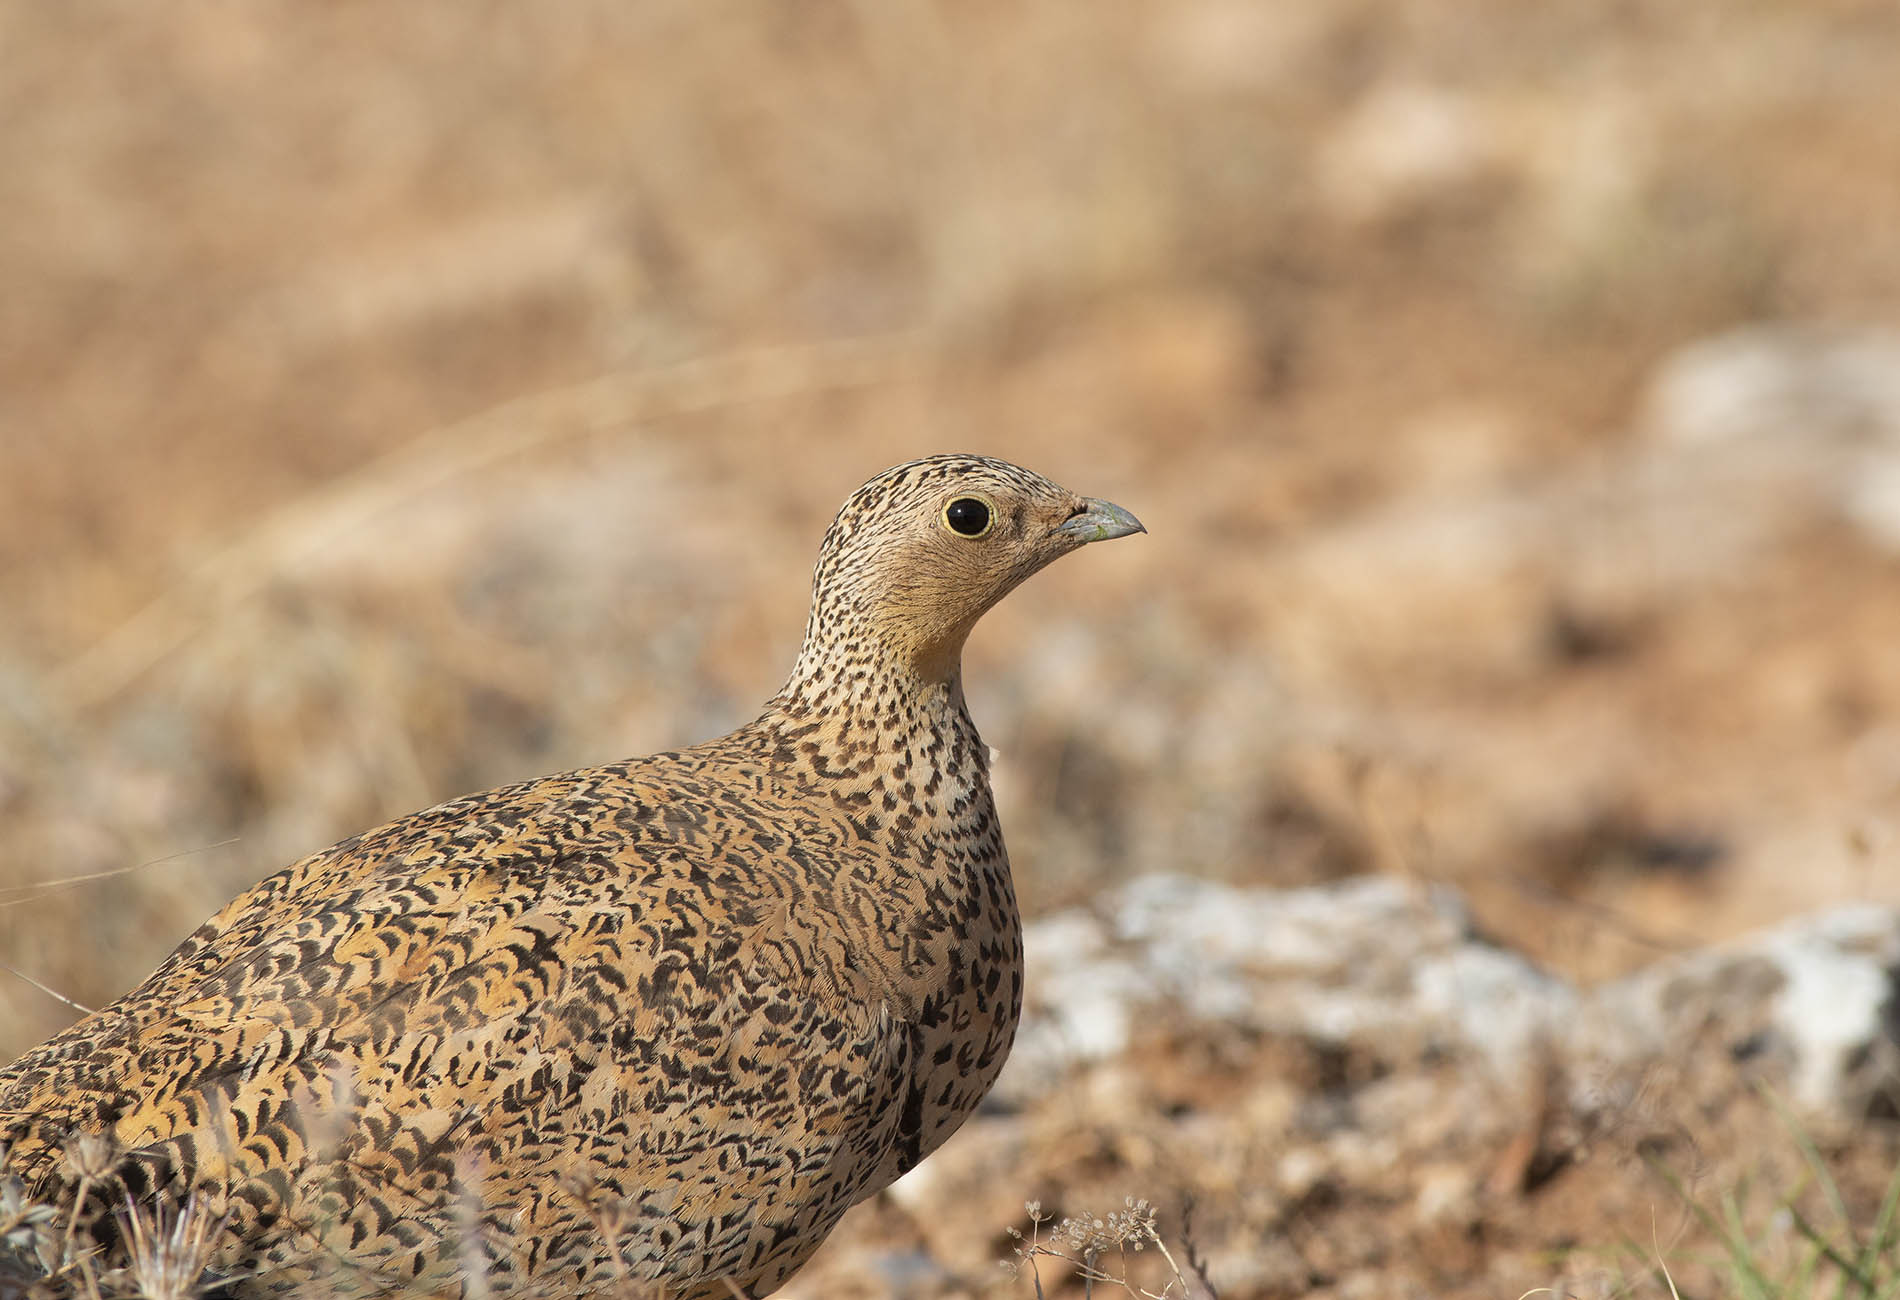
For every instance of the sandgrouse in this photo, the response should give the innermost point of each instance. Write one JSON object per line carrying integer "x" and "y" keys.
{"x": 643, "y": 1029}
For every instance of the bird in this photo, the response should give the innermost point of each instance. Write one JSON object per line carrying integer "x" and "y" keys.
{"x": 648, "y": 1028}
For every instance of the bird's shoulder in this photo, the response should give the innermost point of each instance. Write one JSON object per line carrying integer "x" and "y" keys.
{"x": 707, "y": 826}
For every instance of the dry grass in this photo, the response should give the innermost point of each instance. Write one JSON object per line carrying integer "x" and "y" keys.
{"x": 1087, "y": 1244}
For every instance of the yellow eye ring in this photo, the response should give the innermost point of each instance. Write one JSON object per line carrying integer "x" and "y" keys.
{"x": 969, "y": 514}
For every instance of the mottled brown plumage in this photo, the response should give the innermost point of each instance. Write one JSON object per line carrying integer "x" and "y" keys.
{"x": 660, "y": 1022}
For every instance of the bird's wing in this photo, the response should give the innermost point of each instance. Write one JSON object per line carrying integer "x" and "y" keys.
{"x": 390, "y": 1046}
{"x": 94, "y": 1071}
{"x": 685, "y": 1076}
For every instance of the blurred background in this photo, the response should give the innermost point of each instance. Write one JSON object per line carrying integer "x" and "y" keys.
{"x": 400, "y": 400}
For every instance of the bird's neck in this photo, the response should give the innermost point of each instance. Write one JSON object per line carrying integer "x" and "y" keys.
{"x": 886, "y": 726}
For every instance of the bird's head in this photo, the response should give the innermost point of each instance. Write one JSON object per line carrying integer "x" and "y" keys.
{"x": 918, "y": 554}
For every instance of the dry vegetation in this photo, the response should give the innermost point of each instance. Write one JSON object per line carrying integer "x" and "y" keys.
{"x": 396, "y": 400}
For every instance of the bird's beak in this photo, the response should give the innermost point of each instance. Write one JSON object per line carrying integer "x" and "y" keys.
{"x": 1098, "y": 521}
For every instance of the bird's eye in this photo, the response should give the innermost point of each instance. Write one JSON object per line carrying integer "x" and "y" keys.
{"x": 967, "y": 516}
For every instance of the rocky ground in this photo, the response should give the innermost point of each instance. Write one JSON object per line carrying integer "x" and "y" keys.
{"x": 1344, "y": 1091}
{"x": 1451, "y": 834}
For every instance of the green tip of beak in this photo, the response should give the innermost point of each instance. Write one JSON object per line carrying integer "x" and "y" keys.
{"x": 1099, "y": 521}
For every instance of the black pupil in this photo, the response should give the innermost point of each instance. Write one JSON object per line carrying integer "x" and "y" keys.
{"x": 967, "y": 515}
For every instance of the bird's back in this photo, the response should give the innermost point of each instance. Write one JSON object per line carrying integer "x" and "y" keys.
{"x": 667, "y": 1019}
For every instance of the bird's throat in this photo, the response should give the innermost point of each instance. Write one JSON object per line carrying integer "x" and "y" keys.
{"x": 892, "y": 731}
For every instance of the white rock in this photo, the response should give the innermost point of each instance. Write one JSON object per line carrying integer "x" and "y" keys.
{"x": 1779, "y": 381}
{"x": 1838, "y": 983}
{"x": 1813, "y": 405}
{"x": 1375, "y": 962}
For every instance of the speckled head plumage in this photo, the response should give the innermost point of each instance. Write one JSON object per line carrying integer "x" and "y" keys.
{"x": 920, "y": 552}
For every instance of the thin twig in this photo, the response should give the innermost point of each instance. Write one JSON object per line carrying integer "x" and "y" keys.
{"x": 80, "y": 1007}
{"x": 33, "y": 890}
